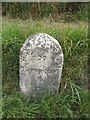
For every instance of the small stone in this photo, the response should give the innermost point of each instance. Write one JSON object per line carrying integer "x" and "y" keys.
{"x": 41, "y": 62}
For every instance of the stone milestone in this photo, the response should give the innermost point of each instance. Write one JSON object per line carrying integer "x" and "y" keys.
{"x": 41, "y": 62}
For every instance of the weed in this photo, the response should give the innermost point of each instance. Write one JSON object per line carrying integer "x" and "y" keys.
{"x": 72, "y": 101}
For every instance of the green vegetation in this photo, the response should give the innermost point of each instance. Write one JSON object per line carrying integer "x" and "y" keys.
{"x": 56, "y": 11}
{"x": 72, "y": 102}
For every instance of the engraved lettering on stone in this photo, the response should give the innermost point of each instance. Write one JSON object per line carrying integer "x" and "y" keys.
{"x": 41, "y": 62}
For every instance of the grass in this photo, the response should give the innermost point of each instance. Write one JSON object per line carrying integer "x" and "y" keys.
{"x": 72, "y": 102}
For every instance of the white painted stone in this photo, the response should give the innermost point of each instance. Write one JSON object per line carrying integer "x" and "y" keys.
{"x": 41, "y": 62}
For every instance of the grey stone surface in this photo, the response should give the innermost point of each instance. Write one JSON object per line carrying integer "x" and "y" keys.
{"x": 41, "y": 62}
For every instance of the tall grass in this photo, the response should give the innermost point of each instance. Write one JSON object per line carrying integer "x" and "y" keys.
{"x": 72, "y": 101}
{"x": 52, "y": 10}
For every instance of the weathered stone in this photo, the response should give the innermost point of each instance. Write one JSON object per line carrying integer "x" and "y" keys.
{"x": 41, "y": 62}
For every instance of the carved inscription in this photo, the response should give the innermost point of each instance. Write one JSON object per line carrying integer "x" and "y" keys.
{"x": 41, "y": 61}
